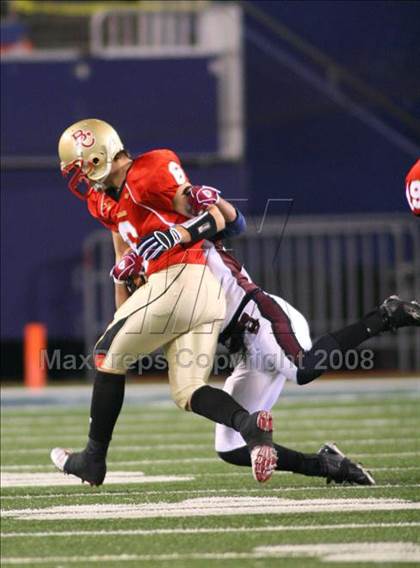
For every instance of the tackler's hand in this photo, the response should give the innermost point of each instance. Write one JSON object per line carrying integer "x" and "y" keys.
{"x": 200, "y": 197}
{"x": 130, "y": 265}
{"x": 154, "y": 244}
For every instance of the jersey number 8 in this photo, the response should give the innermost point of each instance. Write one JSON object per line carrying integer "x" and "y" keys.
{"x": 177, "y": 173}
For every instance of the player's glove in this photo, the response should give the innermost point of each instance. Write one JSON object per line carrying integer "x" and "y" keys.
{"x": 154, "y": 244}
{"x": 200, "y": 197}
{"x": 130, "y": 265}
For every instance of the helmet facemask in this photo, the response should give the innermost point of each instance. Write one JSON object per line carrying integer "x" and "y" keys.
{"x": 73, "y": 172}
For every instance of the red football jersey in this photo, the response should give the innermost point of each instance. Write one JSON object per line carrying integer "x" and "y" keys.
{"x": 412, "y": 188}
{"x": 103, "y": 208}
{"x": 145, "y": 205}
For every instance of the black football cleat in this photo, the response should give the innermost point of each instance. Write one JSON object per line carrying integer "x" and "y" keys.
{"x": 338, "y": 468}
{"x": 398, "y": 313}
{"x": 87, "y": 467}
{"x": 258, "y": 434}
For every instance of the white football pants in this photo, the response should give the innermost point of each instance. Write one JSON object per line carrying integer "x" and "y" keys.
{"x": 258, "y": 379}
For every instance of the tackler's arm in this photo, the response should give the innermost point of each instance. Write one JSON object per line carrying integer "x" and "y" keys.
{"x": 195, "y": 200}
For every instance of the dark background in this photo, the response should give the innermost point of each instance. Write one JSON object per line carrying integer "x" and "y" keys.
{"x": 299, "y": 143}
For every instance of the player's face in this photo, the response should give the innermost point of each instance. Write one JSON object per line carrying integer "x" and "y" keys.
{"x": 118, "y": 172}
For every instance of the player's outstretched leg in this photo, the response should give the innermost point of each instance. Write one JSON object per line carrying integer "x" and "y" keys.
{"x": 391, "y": 315}
{"x": 329, "y": 462}
{"x": 400, "y": 313}
{"x": 257, "y": 431}
{"x": 90, "y": 464}
{"x": 256, "y": 428}
{"x": 338, "y": 468}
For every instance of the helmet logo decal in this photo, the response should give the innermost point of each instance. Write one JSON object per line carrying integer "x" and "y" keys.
{"x": 84, "y": 138}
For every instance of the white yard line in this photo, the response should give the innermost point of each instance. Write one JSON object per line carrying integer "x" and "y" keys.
{"x": 10, "y": 427}
{"x": 155, "y": 447}
{"x": 376, "y": 552}
{"x": 174, "y": 462}
{"x": 189, "y": 492}
{"x": 81, "y": 438}
{"x": 208, "y": 436}
{"x": 253, "y": 529}
{"x": 56, "y": 478}
{"x": 247, "y": 474}
{"x": 210, "y": 506}
{"x": 379, "y": 413}
{"x": 165, "y": 448}
{"x": 290, "y": 433}
{"x": 120, "y": 463}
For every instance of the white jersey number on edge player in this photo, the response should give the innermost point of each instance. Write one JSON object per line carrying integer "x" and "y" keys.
{"x": 177, "y": 172}
{"x": 128, "y": 233}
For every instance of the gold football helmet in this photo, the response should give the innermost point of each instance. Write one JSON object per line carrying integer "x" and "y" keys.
{"x": 86, "y": 150}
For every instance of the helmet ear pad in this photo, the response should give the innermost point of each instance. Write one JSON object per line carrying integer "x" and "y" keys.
{"x": 95, "y": 159}
{"x": 98, "y": 166}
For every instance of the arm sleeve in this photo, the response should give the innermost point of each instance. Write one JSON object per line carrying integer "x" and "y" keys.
{"x": 234, "y": 228}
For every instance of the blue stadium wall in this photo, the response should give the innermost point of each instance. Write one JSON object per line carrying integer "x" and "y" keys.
{"x": 299, "y": 144}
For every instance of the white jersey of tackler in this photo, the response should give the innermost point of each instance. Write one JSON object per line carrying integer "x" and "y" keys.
{"x": 259, "y": 377}
{"x": 234, "y": 280}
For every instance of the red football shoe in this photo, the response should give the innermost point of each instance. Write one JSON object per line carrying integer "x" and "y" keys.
{"x": 258, "y": 434}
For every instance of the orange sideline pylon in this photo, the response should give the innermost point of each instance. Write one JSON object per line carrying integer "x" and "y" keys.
{"x": 35, "y": 343}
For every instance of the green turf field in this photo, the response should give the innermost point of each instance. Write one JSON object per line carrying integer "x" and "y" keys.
{"x": 171, "y": 503}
